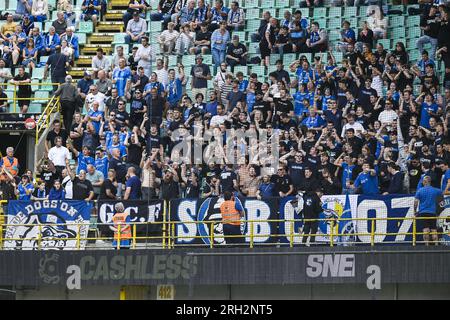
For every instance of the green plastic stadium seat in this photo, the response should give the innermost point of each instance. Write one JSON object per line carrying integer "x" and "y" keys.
{"x": 252, "y": 26}
{"x": 282, "y": 4}
{"x": 38, "y": 73}
{"x": 273, "y": 11}
{"x": 35, "y": 108}
{"x": 86, "y": 27}
{"x": 243, "y": 69}
{"x": 253, "y": 48}
{"x": 353, "y": 22}
{"x": 241, "y": 35}
{"x": 207, "y": 59}
{"x": 188, "y": 60}
{"x": 321, "y": 21}
{"x": 47, "y": 25}
{"x": 253, "y": 13}
{"x": 397, "y": 21}
{"x": 412, "y": 21}
{"x": 305, "y": 12}
{"x": 41, "y": 94}
{"x": 397, "y": 7}
{"x": 273, "y": 58}
{"x": 398, "y": 33}
{"x": 12, "y": 6}
{"x": 334, "y": 23}
{"x": 271, "y": 68}
{"x": 386, "y": 43}
{"x": 288, "y": 58}
{"x": 251, "y": 3}
{"x": 320, "y": 13}
{"x": 2, "y": 5}
{"x": 334, "y": 35}
{"x": 119, "y": 38}
{"x": 154, "y": 26}
{"x": 362, "y": 12}
{"x": 350, "y": 12}
{"x": 81, "y": 38}
{"x": 414, "y": 33}
{"x": 259, "y": 70}
{"x": 172, "y": 61}
{"x": 338, "y": 56}
{"x": 335, "y": 12}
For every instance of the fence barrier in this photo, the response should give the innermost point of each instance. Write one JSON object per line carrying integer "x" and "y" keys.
{"x": 69, "y": 225}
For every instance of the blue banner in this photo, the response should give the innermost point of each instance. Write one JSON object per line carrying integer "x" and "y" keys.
{"x": 197, "y": 217}
{"x": 47, "y": 224}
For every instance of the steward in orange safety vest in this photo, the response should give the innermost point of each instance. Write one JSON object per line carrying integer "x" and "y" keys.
{"x": 232, "y": 212}
{"x": 10, "y": 164}
{"x": 121, "y": 219}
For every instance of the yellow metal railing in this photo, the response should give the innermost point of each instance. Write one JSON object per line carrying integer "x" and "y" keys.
{"x": 168, "y": 240}
{"x": 15, "y": 97}
{"x": 43, "y": 122}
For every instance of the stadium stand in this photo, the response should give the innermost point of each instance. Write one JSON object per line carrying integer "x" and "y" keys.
{"x": 354, "y": 97}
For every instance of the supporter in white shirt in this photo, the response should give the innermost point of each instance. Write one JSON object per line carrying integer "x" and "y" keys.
{"x": 67, "y": 184}
{"x": 161, "y": 72}
{"x": 59, "y": 155}
{"x": 95, "y": 95}
{"x": 220, "y": 117}
{"x": 377, "y": 82}
{"x": 387, "y": 115}
{"x": 353, "y": 125}
{"x": 168, "y": 38}
{"x": 144, "y": 56}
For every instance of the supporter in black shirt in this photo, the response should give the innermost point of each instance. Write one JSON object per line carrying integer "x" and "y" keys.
{"x": 139, "y": 80}
{"x": 283, "y": 183}
{"x": 330, "y": 185}
{"x": 310, "y": 182}
{"x": 138, "y": 108}
{"x": 155, "y": 105}
{"x": 48, "y": 175}
{"x": 169, "y": 185}
{"x": 236, "y": 53}
{"x": 118, "y": 165}
{"x": 135, "y": 144}
{"x": 122, "y": 116}
{"x": 82, "y": 188}
{"x": 57, "y": 131}
{"x": 228, "y": 179}
{"x": 108, "y": 189}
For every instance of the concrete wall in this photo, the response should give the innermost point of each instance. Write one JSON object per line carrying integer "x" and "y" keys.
{"x": 255, "y": 292}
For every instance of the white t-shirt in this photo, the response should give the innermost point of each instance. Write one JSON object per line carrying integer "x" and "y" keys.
{"x": 356, "y": 126}
{"x": 58, "y": 155}
{"x": 99, "y": 97}
{"x": 68, "y": 187}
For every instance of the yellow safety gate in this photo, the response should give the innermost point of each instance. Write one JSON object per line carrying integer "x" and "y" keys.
{"x": 168, "y": 237}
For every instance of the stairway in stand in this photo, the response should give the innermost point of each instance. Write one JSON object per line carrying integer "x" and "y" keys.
{"x": 102, "y": 37}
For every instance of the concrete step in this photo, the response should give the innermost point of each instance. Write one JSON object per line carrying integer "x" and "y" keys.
{"x": 114, "y": 15}
{"x": 91, "y": 49}
{"x": 101, "y": 38}
{"x": 110, "y": 26}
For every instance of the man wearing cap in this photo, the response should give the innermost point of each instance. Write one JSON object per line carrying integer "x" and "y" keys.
{"x": 68, "y": 94}
{"x": 58, "y": 64}
{"x": 236, "y": 53}
{"x": 84, "y": 84}
{"x": 200, "y": 73}
{"x": 136, "y": 28}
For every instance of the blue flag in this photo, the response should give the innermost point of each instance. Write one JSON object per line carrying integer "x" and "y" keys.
{"x": 346, "y": 228}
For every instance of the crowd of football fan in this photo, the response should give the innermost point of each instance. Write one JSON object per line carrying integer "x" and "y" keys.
{"x": 359, "y": 127}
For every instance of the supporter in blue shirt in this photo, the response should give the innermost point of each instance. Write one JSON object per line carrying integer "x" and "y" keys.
{"x": 422, "y": 63}
{"x": 219, "y": 13}
{"x": 304, "y": 72}
{"x": 174, "y": 88}
{"x": 133, "y": 185}
{"x": 25, "y": 189}
{"x": 84, "y": 84}
{"x": 50, "y": 41}
{"x": 243, "y": 83}
{"x": 211, "y": 106}
{"x": 83, "y": 158}
{"x": 446, "y": 176}
{"x": 367, "y": 180}
{"x": 428, "y": 109}
{"x": 121, "y": 77}
{"x": 266, "y": 188}
{"x": 101, "y": 161}
{"x": 313, "y": 121}
{"x": 56, "y": 192}
{"x": 426, "y": 199}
